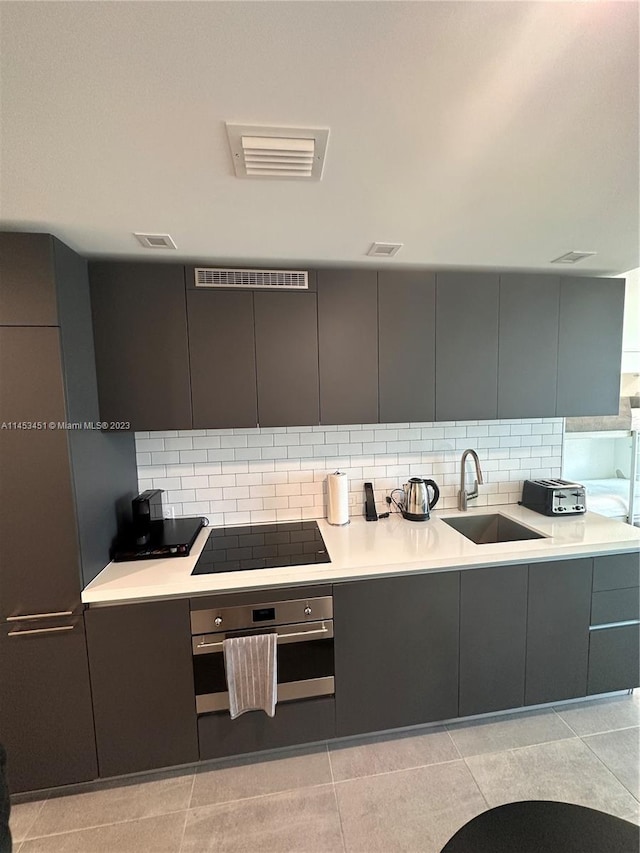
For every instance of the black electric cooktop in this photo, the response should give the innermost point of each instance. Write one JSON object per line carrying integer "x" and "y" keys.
{"x": 262, "y": 546}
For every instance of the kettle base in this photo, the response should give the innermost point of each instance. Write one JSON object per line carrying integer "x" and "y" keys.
{"x": 414, "y": 516}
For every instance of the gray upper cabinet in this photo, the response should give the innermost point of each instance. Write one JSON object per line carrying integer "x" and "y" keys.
{"x": 28, "y": 286}
{"x": 407, "y": 346}
{"x": 223, "y": 359}
{"x": 348, "y": 346}
{"x": 140, "y": 334}
{"x": 286, "y": 337}
{"x": 466, "y": 346}
{"x": 590, "y": 346}
{"x": 36, "y": 481}
{"x": 528, "y": 346}
{"x": 559, "y": 608}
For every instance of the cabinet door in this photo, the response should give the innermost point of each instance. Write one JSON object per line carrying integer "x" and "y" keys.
{"x": 493, "y": 622}
{"x": 140, "y": 333}
{"x": 46, "y": 720}
{"x": 406, "y": 328}
{"x": 38, "y": 532}
{"x": 28, "y": 291}
{"x": 528, "y": 346}
{"x": 466, "y": 346}
{"x": 614, "y": 659}
{"x": 142, "y": 684}
{"x": 287, "y": 359}
{"x": 348, "y": 346}
{"x": 396, "y": 651}
{"x": 558, "y": 630}
{"x": 223, "y": 360}
{"x": 590, "y": 346}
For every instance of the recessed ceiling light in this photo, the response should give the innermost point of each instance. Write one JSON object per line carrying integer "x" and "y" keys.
{"x": 384, "y": 250}
{"x": 573, "y": 257}
{"x": 278, "y": 152}
{"x": 155, "y": 241}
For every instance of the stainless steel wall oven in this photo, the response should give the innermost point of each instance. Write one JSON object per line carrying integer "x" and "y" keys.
{"x": 305, "y": 660}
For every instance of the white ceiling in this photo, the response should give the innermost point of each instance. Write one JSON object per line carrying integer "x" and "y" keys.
{"x": 477, "y": 133}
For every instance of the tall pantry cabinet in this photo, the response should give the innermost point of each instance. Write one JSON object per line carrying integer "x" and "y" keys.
{"x": 59, "y": 489}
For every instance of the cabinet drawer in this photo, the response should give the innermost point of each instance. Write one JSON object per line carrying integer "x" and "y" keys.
{"x": 294, "y": 723}
{"x": 615, "y": 605}
{"x": 616, "y": 571}
{"x": 614, "y": 659}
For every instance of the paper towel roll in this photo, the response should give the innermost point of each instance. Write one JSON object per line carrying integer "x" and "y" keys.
{"x": 338, "y": 498}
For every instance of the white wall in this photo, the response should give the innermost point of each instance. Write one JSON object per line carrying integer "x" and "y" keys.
{"x": 631, "y": 331}
{"x": 242, "y": 476}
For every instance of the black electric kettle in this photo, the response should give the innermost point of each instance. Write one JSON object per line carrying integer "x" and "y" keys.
{"x": 415, "y": 504}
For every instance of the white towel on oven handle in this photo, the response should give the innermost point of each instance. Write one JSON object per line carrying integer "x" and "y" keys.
{"x": 251, "y": 665}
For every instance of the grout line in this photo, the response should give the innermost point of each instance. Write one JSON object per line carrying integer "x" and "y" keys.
{"x": 398, "y": 770}
{"x": 186, "y": 814}
{"x": 335, "y": 797}
{"x": 258, "y": 796}
{"x": 455, "y": 745}
{"x": 609, "y": 769}
{"x": 32, "y": 823}
{"x": 101, "y": 825}
{"x": 477, "y": 784}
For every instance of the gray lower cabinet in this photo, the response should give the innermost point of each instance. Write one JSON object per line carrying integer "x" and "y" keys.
{"x": 493, "y": 624}
{"x": 396, "y": 651}
{"x": 614, "y": 638}
{"x": 46, "y": 718}
{"x": 528, "y": 346}
{"x": 590, "y": 346}
{"x": 407, "y": 346}
{"x": 558, "y": 619}
{"x": 142, "y": 685}
{"x": 140, "y": 333}
{"x": 294, "y": 723}
{"x": 223, "y": 359}
{"x": 614, "y": 659}
{"x": 348, "y": 346}
{"x": 286, "y": 334}
{"x": 466, "y": 346}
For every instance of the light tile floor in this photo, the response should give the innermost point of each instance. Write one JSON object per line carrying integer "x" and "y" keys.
{"x": 391, "y": 793}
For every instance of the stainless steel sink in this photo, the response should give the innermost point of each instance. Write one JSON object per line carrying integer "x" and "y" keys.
{"x": 486, "y": 529}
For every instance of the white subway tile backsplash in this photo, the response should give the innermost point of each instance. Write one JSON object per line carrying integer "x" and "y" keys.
{"x": 208, "y": 442}
{"x": 180, "y": 443}
{"x": 251, "y": 475}
{"x": 163, "y": 457}
{"x": 194, "y": 455}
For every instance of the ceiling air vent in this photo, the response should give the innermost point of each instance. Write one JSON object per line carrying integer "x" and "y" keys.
{"x": 384, "y": 250}
{"x": 280, "y": 279}
{"x": 155, "y": 241}
{"x": 278, "y": 152}
{"x": 573, "y": 257}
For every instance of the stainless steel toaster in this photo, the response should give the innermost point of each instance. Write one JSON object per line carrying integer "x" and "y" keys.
{"x": 554, "y": 497}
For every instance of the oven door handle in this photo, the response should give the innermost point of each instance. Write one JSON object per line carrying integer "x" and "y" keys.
{"x": 201, "y": 646}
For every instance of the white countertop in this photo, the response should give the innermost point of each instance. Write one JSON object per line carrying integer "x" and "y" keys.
{"x": 372, "y": 549}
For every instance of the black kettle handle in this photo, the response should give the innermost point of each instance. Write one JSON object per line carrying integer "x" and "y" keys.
{"x": 436, "y": 492}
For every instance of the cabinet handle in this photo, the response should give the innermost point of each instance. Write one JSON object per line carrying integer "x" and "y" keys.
{"x": 39, "y": 616}
{"x": 322, "y": 630}
{"x": 40, "y": 631}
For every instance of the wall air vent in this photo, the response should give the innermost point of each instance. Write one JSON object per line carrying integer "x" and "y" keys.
{"x": 278, "y": 152}
{"x": 573, "y": 257}
{"x": 155, "y": 241}
{"x": 384, "y": 250}
{"x": 277, "y": 279}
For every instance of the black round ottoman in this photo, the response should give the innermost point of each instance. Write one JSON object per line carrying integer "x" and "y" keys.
{"x": 543, "y": 826}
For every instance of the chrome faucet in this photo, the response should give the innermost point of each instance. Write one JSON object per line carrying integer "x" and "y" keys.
{"x": 463, "y": 495}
